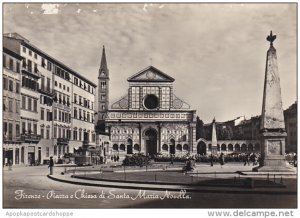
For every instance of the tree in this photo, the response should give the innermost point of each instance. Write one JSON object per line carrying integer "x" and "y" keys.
{"x": 200, "y": 133}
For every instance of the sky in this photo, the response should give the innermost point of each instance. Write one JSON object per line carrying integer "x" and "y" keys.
{"x": 215, "y": 52}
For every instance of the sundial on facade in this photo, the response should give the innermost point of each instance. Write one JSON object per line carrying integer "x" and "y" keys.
{"x": 150, "y": 75}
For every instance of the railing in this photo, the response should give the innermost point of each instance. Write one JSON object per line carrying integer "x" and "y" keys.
{"x": 85, "y": 142}
{"x": 11, "y": 138}
{"x": 32, "y": 71}
{"x": 46, "y": 90}
{"x": 30, "y": 137}
{"x": 62, "y": 140}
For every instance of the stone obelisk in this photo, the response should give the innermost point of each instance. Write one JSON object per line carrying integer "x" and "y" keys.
{"x": 272, "y": 125}
{"x": 214, "y": 143}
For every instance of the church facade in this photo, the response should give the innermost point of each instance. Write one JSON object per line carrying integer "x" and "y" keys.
{"x": 150, "y": 118}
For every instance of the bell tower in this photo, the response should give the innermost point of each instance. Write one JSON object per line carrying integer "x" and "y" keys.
{"x": 103, "y": 93}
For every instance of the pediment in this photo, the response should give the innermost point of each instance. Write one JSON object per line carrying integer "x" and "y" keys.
{"x": 150, "y": 74}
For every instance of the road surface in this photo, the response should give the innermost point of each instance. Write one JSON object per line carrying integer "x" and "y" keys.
{"x": 29, "y": 187}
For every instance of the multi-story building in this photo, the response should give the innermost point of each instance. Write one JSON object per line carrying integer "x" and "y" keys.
{"x": 30, "y": 96}
{"x": 50, "y": 121}
{"x": 13, "y": 152}
{"x": 290, "y": 118}
{"x": 83, "y": 111}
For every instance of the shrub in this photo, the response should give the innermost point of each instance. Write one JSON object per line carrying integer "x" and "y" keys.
{"x": 136, "y": 160}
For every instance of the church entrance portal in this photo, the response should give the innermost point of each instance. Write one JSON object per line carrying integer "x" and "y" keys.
{"x": 151, "y": 142}
{"x": 172, "y": 146}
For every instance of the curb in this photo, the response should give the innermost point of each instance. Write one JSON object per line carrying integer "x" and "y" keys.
{"x": 172, "y": 188}
{"x": 167, "y": 183}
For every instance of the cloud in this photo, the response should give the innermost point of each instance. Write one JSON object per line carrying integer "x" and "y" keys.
{"x": 215, "y": 52}
{"x": 50, "y": 8}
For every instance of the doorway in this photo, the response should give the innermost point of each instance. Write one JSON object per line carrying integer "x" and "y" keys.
{"x": 129, "y": 146}
{"x": 201, "y": 148}
{"x": 151, "y": 142}
{"x": 172, "y": 146}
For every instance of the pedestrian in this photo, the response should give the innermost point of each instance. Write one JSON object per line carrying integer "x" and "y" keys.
{"x": 253, "y": 159}
{"x": 10, "y": 164}
{"x": 221, "y": 159}
{"x": 30, "y": 160}
{"x": 211, "y": 160}
{"x": 118, "y": 158}
{"x": 246, "y": 160}
{"x": 115, "y": 158}
{"x": 51, "y": 164}
{"x": 295, "y": 160}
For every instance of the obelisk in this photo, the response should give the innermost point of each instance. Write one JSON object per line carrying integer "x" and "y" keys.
{"x": 272, "y": 125}
{"x": 214, "y": 143}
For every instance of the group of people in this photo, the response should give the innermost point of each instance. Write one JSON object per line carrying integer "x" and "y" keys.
{"x": 251, "y": 158}
{"x": 234, "y": 157}
{"x": 220, "y": 158}
{"x": 115, "y": 158}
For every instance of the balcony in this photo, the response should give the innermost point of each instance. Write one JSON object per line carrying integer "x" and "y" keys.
{"x": 47, "y": 91}
{"x": 30, "y": 137}
{"x": 85, "y": 142}
{"x": 62, "y": 141}
{"x": 11, "y": 138}
{"x": 30, "y": 72}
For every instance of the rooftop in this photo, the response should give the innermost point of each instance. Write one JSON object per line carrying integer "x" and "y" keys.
{"x": 26, "y": 42}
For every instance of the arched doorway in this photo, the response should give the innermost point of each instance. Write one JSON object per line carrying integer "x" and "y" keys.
{"x": 179, "y": 147}
{"x": 201, "y": 148}
{"x": 237, "y": 148}
{"x": 151, "y": 142}
{"x": 122, "y": 147}
{"x": 244, "y": 148}
{"x": 115, "y": 147}
{"x": 186, "y": 147}
{"x": 136, "y": 147}
{"x": 250, "y": 147}
{"x": 129, "y": 146}
{"x": 172, "y": 146}
{"x": 223, "y": 147}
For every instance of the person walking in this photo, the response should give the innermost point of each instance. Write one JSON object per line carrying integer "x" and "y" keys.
{"x": 246, "y": 160}
{"x": 10, "y": 163}
{"x": 51, "y": 165}
{"x": 211, "y": 160}
{"x": 221, "y": 159}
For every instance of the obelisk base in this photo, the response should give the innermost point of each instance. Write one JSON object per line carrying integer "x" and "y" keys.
{"x": 274, "y": 164}
{"x": 273, "y": 150}
{"x": 214, "y": 150}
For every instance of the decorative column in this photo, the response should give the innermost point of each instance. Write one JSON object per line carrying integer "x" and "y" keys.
{"x": 272, "y": 125}
{"x": 140, "y": 137}
{"x": 214, "y": 143}
{"x": 159, "y": 137}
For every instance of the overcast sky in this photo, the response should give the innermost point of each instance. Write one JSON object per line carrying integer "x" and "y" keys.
{"x": 215, "y": 52}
